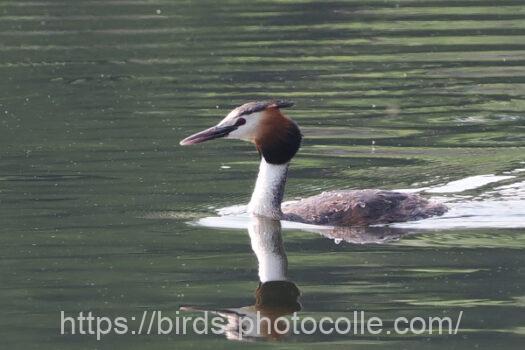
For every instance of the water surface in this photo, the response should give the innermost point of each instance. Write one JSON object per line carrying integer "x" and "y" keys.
{"x": 96, "y": 195}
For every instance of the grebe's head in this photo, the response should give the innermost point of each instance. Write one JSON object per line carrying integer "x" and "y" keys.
{"x": 276, "y": 136}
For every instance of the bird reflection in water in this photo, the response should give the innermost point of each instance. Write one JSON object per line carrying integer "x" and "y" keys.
{"x": 276, "y": 295}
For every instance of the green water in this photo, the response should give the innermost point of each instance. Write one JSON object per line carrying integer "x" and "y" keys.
{"x": 95, "y": 96}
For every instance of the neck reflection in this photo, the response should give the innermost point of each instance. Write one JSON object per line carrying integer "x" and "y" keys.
{"x": 267, "y": 244}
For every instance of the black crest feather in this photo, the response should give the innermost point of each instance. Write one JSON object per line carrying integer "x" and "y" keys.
{"x": 253, "y": 107}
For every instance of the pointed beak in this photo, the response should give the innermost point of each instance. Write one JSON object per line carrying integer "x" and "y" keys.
{"x": 208, "y": 134}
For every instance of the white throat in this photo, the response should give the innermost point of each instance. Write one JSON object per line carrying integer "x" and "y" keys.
{"x": 267, "y": 244}
{"x": 269, "y": 190}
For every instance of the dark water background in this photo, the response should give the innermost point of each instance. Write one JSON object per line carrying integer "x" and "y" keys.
{"x": 95, "y": 96}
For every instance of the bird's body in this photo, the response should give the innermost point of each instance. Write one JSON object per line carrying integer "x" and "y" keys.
{"x": 277, "y": 139}
{"x": 361, "y": 207}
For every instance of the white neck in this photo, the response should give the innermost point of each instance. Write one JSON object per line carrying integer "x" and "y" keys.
{"x": 269, "y": 190}
{"x": 267, "y": 244}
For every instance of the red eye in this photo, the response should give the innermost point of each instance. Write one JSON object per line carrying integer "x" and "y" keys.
{"x": 240, "y": 121}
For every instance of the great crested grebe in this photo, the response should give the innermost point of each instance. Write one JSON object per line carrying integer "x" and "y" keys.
{"x": 277, "y": 138}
